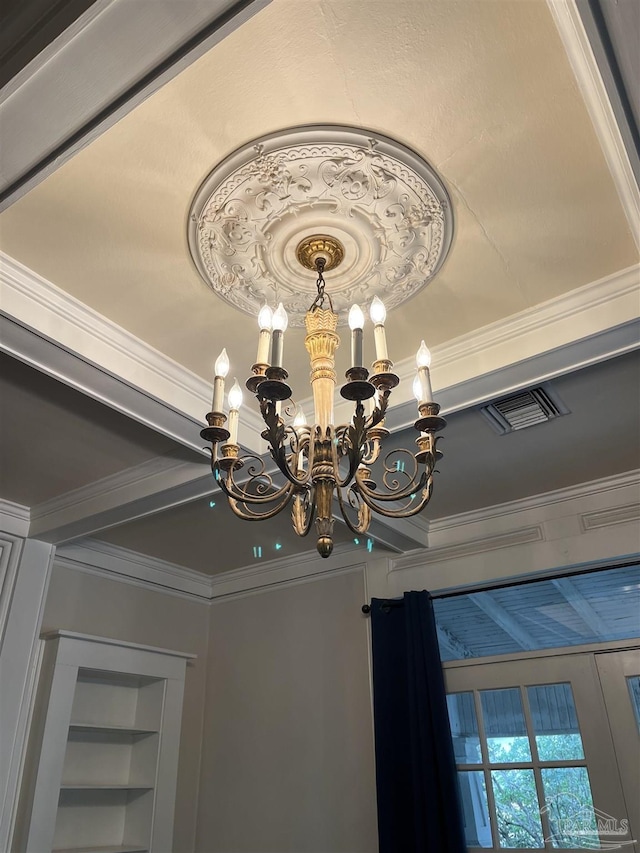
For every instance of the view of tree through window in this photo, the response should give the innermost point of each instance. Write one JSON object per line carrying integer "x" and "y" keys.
{"x": 557, "y": 809}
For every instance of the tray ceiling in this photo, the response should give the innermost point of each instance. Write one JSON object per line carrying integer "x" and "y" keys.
{"x": 483, "y": 91}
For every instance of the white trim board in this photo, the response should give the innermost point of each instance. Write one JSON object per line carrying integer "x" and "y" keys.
{"x": 109, "y": 61}
{"x": 58, "y": 334}
{"x": 591, "y": 521}
{"x": 14, "y": 518}
{"x": 585, "y": 68}
{"x": 611, "y": 502}
{"x": 121, "y": 564}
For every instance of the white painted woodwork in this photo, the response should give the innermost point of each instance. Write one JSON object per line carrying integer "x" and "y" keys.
{"x": 104, "y": 747}
{"x": 116, "y": 48}
{"x": 610, "y": 793}
{"x": 580, "y": 53}
{"x": 26, "y": 575}
{"x": 613, "y": 670}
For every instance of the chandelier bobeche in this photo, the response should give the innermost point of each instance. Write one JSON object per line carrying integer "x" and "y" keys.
{"x": 325, "y": 467}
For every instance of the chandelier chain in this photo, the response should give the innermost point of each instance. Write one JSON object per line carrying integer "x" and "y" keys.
{"x": 318, "y": 302}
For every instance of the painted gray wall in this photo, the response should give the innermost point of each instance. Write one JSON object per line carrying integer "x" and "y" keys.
{"x": 287, "y": 763}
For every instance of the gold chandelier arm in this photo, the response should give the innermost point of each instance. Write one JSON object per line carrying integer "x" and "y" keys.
{"x": 363, "y": 510}
{"x": 339, "y": 439}
{"x": 248, "y": 515}
{"x": 374, "y": 446}
{"x": 404, "y": 512}
{"x": 265, "y": 492}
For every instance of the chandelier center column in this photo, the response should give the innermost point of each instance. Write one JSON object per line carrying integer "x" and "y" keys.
{"x": 321, "y": 343}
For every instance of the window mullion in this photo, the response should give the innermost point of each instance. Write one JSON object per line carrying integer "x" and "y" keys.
{"x": 537, "y": 775}
{"x": 484, "y": 751}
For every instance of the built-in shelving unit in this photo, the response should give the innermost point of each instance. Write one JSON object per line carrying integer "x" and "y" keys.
{"x": 107, "y": 747}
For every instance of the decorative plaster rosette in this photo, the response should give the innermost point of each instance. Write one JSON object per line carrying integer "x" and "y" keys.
{"x": 385, "y": 205}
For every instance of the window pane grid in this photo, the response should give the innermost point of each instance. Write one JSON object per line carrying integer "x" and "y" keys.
{"x": 513, "y": 718}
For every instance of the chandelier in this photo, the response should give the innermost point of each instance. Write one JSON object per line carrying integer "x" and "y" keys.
{"x": 326, "y": 468}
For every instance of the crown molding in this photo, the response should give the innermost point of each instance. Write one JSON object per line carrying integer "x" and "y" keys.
{"x": 61, "y": 336}
{"x": 520, "y": 536}
{"x": 14, "y": 518}
{"x": 593, "y": 488}
{"x": 31, "y": 299}
{"x": 585, "y": 68}
{"x": 528, "y": 520}
{"x": 592, "y": 323}
{"x": 295, "y": 568}
{"x": 518, "y": 523}
{"x": 121, "y": 564}
{"x": 115, "y": 563}
{"x": 155, "y": 485}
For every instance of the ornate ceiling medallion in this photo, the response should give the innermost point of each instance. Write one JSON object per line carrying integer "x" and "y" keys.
{"x": 382, "y": 212}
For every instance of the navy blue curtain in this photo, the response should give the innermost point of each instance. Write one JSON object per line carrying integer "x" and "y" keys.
{"x": 418, "y": 807}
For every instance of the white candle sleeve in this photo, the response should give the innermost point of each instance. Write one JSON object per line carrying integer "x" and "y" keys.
{"x": 380, "y": 340}
{"x": 218, "y": 394}
{"x": 264, "y": 343}
{"x": 425, "y": 385}
{"x": 234, "y": 417}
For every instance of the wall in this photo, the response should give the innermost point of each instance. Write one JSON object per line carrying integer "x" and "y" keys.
{"x": 80, "y": 601}
{"x": 277, "y": 744}
{"x": 287, "y": 763}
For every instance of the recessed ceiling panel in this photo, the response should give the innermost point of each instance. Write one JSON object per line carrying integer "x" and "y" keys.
{"x": 482, "y": 91}
{"x": 54, "y": 439}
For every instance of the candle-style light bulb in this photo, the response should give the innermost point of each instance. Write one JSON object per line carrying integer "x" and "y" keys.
{"x": 356, "y": 318}
{"x": 300, "y": 419}
{"x": 235, "y": 401}
{"x": 378, "y": 315}
{"x": 356, "y": 323}
{"x": 280, "y": 319}
{"x": 222, "y": 364}
{"x": 265, "y": 319}
{"x": 221, "y": 368}
{"x": 377, "y": 311}
{"x": 235, "y": 396}
{"x": 423, "y": 356}
{"x": 280, "y": 323}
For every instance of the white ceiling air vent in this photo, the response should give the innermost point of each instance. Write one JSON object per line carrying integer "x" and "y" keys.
{"x": 524, "y": 409}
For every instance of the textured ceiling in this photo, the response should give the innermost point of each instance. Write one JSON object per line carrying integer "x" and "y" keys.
{"x": 482, "y": 90}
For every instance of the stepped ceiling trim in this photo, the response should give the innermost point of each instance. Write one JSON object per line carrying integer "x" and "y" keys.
{"x": 503, "y": 523}
{"x": 585, "y": 68}
{"x": 58, "y": 334}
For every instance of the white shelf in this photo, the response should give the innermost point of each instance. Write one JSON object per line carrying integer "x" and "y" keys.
{"x": 69, "y": 786}
{"x": 127, "y": 848}
{"x": 108, "y": 747}
{"x": 108, "y": 729}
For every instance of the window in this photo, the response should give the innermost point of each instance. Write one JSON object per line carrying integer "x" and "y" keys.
{"x": 537, "y": 766}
